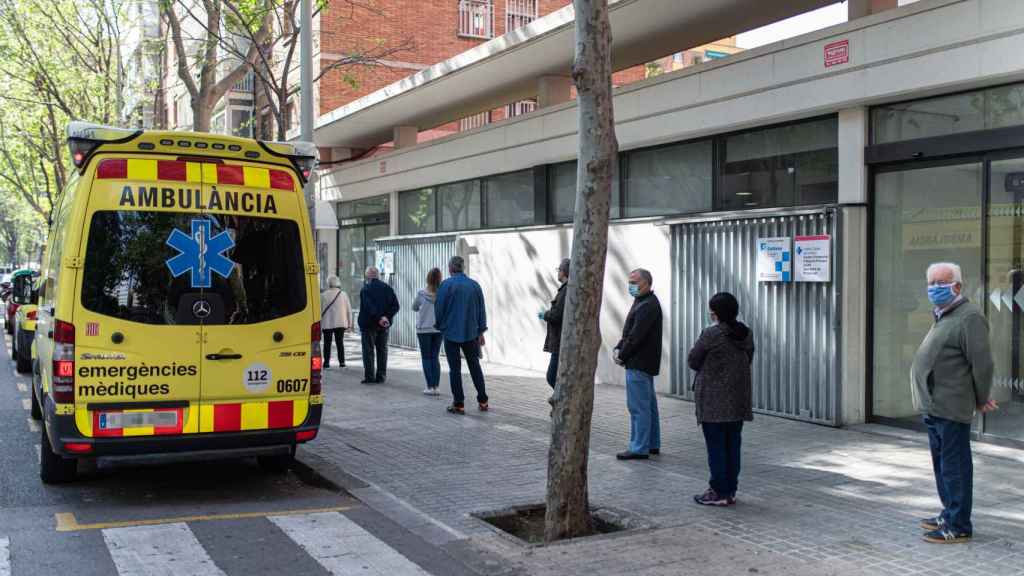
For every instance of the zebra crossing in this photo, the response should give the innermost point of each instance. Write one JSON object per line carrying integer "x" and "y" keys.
{"x": 340, "y": 546}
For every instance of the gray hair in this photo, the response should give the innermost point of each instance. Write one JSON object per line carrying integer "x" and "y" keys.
{"x": 563, "y": 266}
{"x": 456, "y": 264}
{"x": 645, "y": 274}
{"x": 333, "y": 282}
{"x": 958, "y": 276}
{"x": 372, "y": 272}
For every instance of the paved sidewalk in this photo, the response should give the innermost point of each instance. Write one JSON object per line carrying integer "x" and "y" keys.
{"x": 813, "y": 500}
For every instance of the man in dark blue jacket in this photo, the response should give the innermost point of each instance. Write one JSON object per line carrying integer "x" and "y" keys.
{"x": 377, "y": 308}
{"x": 462, "y": 319}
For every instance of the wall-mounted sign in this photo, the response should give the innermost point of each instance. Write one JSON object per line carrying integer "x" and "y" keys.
{"x": 812, "y": 258}
{"x": 715, "y": 54}
{"x": 837, "y": 53}
{"x": 774, "y": 260}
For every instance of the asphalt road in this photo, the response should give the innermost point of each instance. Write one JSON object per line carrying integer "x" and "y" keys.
{"x": 198, "y": 518}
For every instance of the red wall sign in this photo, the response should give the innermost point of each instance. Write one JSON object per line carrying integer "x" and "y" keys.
{"x": 837, "y": 53}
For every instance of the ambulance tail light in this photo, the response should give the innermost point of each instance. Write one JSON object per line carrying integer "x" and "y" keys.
{"x": 78, "y": 447}
{"x": 63, "y": 362}
{"x": 84, "y": 138}
{"x": 305, "y": 435}
{"x": 316, "y": 361}
{"x": 304, "y": 156}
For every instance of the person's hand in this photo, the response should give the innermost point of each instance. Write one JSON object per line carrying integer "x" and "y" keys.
{"x": 618, "y": 359}
{"x": 384, "y": 323}
{"x": 989, "y": 406}
{"x": 481, "y": 340}
{"x": 540, "y": 315}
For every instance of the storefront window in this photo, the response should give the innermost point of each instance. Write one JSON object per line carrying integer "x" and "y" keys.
{"x": 998, "y": 107}
{"x": 417, "y": 211}
{"x": 459, "y": 205}
{"x": 365, "y": 207}
{"x": 562, "y": 191}
{"x": 794, "y": 165}
{"x": 922, "y": 216}
{"x": 509, "y": 199}
{"x": 669, "y": 180}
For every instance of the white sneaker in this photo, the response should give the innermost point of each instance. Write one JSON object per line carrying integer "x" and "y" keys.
{"x": 428, "y": 391}
{"x": 435, "y": 392}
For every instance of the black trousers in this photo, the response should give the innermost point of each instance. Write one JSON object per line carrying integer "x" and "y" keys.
{"x": 337, "y": 335}
{"x": 454, "y": 352}
{"x": 375, "y": 343}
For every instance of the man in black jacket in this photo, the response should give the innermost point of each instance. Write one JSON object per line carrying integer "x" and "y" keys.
{"x": 377, "y": 308}
{"x": 553, "y": 317}
{"x": 640, "y": 352}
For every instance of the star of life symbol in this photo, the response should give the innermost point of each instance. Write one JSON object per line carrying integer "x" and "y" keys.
{"x": 200, "y": 254}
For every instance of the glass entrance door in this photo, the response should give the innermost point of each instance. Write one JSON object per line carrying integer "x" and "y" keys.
{"x": 1004, "y": 305}
{"x": 969, "y": 212}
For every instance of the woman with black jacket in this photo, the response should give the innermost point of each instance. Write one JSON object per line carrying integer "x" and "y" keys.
{"x": 722, "y": 359}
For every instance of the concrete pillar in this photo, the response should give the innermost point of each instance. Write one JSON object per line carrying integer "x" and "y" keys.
{"x": 862, "y": 8}
{"x": 553, "y": 90}
{"x": 405, "y": 136}
{"x": 853, "y": 137}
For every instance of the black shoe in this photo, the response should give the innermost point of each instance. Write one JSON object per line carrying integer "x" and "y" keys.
{"x": 654, "y": 451}
{"x": 627, "y": 455}
{"x": 456, "y": 409}
{"x": 711, "y": 498}
{"x": 342, "y": 365}
{"x": 381, "y": 379}
{"x": 933, "y": 524}
{"x": 946, "y": 536}
{"x": 368, "y": 382}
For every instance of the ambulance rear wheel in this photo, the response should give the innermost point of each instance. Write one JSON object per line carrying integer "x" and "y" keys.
{"x": 54, "y": 468}
{"x": 22, "y": 364}
{"x": 37, "y": 411}
{"x": 278, "y": 463}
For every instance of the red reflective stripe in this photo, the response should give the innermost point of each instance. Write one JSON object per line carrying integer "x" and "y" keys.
{"x": 171, "y": 170}
{"x": 227, "y": 417}
{"x": 230, "y": 175}
{"x": 280, "y": 414}
{"x": 281, "y": 180}
{"x": 96, "y": 431}
{"x": 160, "y": 430}
{"x": 112, "y": 168}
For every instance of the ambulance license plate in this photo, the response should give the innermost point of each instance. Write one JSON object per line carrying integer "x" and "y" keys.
{"x": 116, "y": 420}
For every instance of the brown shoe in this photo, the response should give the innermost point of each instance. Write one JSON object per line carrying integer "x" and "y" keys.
{"x": 484, "y": 407}
{"x": 453, "y": 409}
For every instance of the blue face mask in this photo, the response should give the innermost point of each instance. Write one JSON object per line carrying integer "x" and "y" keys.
{"x": 634, "y": 290}
{"x": 941, "y": 294}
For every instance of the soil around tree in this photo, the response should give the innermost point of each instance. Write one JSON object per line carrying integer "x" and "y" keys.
{"x": 526, "y": 523}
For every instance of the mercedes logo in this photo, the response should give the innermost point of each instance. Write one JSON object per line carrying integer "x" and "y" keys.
{"x": 201, "y": 309}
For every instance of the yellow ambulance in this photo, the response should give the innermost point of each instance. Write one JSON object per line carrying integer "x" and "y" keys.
{"x": 178, "y": 304}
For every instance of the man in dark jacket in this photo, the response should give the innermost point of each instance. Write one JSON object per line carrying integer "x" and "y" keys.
{"x": 461, "y": 317}
{"x": 377, "y": 308}
{"x": 640, "y": 352}
{"x": 553, "y": 317}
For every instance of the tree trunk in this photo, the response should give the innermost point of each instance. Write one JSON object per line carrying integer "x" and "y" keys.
{"x": 568, "y": 513}
{"x": 201, "y": 114}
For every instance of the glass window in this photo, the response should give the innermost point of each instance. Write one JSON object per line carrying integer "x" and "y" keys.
{"x": 669, "y": 180}
{"x": 790, "y": 165}
{"x": 126, "y": 274}
{"x": 562, "y": 191}
{"x": 509, "y": 199}
{"x": 459, "y": 205}
{"x": 365, "y": 207}
{"x": 922, "y": 216}
{"x": 416, "y": 211}
{"x": 945, "y": 115}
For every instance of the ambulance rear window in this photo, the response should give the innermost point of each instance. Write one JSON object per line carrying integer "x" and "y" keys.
{"x": 154, "y": 267}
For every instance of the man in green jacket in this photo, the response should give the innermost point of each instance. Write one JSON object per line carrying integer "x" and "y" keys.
{"x": 951, "y": 378}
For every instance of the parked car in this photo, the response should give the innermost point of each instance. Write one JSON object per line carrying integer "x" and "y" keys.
{"x": 21, "y": 291}
{"x": 25, "y": 330}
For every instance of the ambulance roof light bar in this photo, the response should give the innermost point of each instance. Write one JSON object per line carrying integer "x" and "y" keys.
{"x": 85, "y": 137}
{"x": 304, "y": 155}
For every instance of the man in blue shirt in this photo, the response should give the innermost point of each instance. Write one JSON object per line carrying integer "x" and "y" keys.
{"x": 462, "y": 319}
{"x": 377, "y": 308}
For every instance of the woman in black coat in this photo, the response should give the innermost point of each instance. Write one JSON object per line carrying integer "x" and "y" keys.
{"x": 722, "y": 392}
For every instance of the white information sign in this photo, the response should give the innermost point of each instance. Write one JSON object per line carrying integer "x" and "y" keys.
{"x": 812, "y": 258}
{"x": 774, "y": 260}
{"x": 386, "y": 263}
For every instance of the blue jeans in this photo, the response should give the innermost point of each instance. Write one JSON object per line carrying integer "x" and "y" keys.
{"x": 723, "y": 440}
{"x": 430, "y": 350}
{"x": 950, "y": 444}
{"x": 453, "y": 351}
{"x": 642, "y": 403}
{"x": 553, "y": 369}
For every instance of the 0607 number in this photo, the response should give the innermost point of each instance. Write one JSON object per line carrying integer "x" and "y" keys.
{"x": 292, "y": 385}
